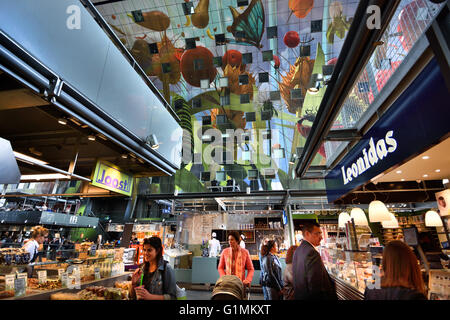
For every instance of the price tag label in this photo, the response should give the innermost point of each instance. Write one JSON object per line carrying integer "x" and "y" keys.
{"x": 60, "y": 272}
{"x": 23, "y": 275}
{"x": 9, "y": 281}
{"x": 42, "y": 276}
{"x": 20, "y": 287}
{"x": 93, "y": 250}
{"x": 97, "y": 273}
{"x": 64, "y": 279}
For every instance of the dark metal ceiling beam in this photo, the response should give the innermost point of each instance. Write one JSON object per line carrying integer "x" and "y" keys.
{"x": 280, "y": 193}
{"x": 356, "y": 51}
{"x": 343, "y": 135}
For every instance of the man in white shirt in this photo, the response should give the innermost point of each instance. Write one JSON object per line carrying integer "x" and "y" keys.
{"x": 214, "y": 246}
{"x": 242, "y": 243}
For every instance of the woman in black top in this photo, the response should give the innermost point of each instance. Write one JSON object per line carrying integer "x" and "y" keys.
{"x": 272, "y": 278}
{"x": 155, "y": 279}
{"x": 402, "y": 278}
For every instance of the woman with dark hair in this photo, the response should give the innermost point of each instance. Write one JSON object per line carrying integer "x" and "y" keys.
{"x": 288, "y": 277}
{"x": 272, "y": 276}
{"x": 235, "y": 260}
{"x": 155, "y": 279}
{"x": 402, "y": 278}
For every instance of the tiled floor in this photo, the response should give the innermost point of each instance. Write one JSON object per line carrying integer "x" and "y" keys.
{"x": 206, "y": 295}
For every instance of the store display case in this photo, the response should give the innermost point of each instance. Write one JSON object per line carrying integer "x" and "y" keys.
{"x": 350, "y": 269}
{"x": 19, "y": 280}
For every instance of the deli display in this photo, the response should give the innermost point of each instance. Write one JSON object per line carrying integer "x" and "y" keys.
{"x": 22, "y": 280}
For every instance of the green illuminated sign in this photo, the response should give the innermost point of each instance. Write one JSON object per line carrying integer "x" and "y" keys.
{"x": 110, "y": 177}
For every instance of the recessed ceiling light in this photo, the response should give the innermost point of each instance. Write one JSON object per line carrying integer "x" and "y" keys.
{"x": 437, "y": 170}
{"x": 425, "y": 157}
{"x": 398, "y": 171}
{"x": 62, "y": 121}
{"x": 124, "y": 156}
{"x": 91, "y": 137}
{"x": 425, "y": 175}
{"x": 403, "y": 179}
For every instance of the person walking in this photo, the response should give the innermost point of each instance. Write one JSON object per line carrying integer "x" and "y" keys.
{"x": 288, "y": 276}
{"x": 235, "y": 260}
{"x": 272, "y": 271}
{"x": 155, "y": 278}
{"x": 262, "y": 272}
{"x": 214, "y": 246}
{"x": 311, "y": 279}
{"x": 402, "y": 278}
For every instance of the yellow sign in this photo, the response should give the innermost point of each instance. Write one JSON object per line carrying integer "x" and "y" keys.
{"x": 110, "y": 177}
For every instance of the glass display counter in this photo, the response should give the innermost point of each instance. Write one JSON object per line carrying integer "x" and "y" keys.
{"x": 350, "y": 269}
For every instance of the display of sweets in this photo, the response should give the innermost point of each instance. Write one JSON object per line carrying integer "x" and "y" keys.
{"x": 10, "y": 256}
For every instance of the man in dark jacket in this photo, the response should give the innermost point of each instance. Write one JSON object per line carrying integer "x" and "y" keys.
{"x": 311, "y": 279}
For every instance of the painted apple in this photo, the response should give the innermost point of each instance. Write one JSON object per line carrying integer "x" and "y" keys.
{"x": 291, "y": 39}
{"x": 206, "y": 70}
{"x": 232, "y": 57}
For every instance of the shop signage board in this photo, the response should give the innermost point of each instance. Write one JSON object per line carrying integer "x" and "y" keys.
{"x": 42, "y": 276}
{"x": 20, "y": 287}
{"x": 97, "y": 273}
{"x": 64, "y": 279}
{"x": 111, "y": 177}
{"x": 406, "y": 129}
{"x": 285, "y": 218}
{"x": 9, "y": 281}
{"x": 62, "y": 219}
{"x": 60, "y": 273}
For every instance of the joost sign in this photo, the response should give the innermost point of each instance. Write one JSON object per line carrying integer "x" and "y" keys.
{"x": 110, "y": 177}
{"x": 418, "y": 119}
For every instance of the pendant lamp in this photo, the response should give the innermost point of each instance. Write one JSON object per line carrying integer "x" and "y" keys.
{"x": 432, "y": 219}
{"x": 378, "y": 212}
{"x": 344, "y": 217}
{"x": 392, "y": 223}
{"x": 359, "y": 217}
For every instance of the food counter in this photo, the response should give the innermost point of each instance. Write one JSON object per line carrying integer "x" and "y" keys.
{"x": 38, "y": 280}
{"x": 351, "y": 271}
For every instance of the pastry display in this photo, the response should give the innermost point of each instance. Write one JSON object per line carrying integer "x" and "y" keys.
{"x": 10, "y": 256}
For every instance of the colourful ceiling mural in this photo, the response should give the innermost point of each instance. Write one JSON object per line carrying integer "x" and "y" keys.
{"x": 259, "y": 66}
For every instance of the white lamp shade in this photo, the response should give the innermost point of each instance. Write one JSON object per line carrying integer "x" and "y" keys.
{"x": 392, "y": 223}
{"x": 378, "y": 212}
{"x": 359, "y": 217}
{"x": 432, "y": 219}
{"x": 344, "y": 217}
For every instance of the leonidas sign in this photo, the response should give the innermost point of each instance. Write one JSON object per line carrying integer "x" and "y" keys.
{"x": 370, "y": 156}
{"x": 110, "y": 177}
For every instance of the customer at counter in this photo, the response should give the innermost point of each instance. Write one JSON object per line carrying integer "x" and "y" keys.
{"x": 235, "y": 260}
{"x": 155, "y": 279}
{"x": 311, "y": 279}
{"x": 288, "y": 276}
{"x": 272, "y": 276}
{"x": 261, "y": 275}
{"x": 402, "y": 279}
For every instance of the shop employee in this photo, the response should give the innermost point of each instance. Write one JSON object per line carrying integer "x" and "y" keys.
{"x": 242, "y": 243}
{"x": 38, "y": 236}
{"x": 214, "y": 246}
